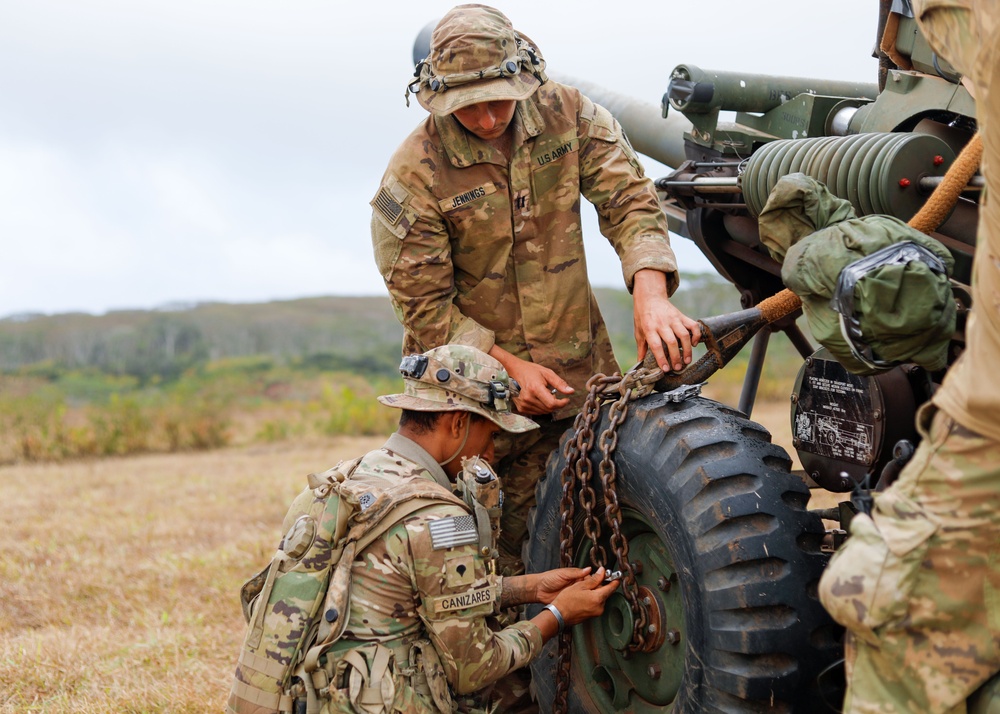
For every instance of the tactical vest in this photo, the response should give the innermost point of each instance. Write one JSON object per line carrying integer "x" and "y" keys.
{"x": 298, "y": 607}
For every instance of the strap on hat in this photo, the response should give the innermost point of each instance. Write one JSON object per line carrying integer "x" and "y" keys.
{"x": 526, "y": 57}
{"x": 495, "y": 394}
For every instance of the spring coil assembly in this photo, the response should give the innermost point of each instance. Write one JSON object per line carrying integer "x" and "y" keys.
{"x": 877, "y": 173}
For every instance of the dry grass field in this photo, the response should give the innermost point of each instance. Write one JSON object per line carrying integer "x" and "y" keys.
{"x": 119, "y": 577}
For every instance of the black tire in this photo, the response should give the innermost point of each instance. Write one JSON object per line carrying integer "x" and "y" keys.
{"x": 702, "y": 487}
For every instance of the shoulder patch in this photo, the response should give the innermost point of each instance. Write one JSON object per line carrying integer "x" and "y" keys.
{"x": 602, "y": 126}
{"x": 453, "y": 202}
{"x": 452, "y": 532}
{"x": 389, "y": 208}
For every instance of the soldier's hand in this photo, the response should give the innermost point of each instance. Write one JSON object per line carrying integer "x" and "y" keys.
{"x": 659, "y": 326}
{"x": 585, "y": 598}
{"x": 552, "y": 582}
{"x": 540, "y": 386}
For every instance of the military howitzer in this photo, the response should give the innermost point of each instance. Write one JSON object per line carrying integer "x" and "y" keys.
{"x": 726, "y": 553}
{"x": 723, "y": 553}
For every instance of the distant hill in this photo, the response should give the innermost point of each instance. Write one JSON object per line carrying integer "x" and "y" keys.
{"x": 358, "y": 334}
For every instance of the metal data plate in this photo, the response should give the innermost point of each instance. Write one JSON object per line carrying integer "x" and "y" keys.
{"x": 834, "y": 414}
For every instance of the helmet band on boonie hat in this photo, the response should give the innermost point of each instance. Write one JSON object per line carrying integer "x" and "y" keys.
{"x": 495, "y": 395}
{"x": 475, "y": 56}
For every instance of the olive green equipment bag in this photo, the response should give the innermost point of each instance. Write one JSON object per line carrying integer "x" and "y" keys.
{"x": 298, "y": 606}
{"x": 875, "y": 291}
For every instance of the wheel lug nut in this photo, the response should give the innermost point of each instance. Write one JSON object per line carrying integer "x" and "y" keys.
{"x": 654, "y": 671}
{"x": 673, "y": 636}
{"x": 663, "y": 584}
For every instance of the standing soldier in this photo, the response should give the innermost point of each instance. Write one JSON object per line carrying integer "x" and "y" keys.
{"x": 476, "y": 231}
{"x": 918, "y": 584}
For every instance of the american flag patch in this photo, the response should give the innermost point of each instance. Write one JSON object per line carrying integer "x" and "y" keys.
{"x": 454, "y": 531}
{"x": 388, "y": 206}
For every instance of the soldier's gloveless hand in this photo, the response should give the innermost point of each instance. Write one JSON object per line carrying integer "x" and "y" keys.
{"x": 585, "y": 598}
{"x": 537, "y": 384}
{"x": 659, "y": 326}
{"x": 552, "y": 582}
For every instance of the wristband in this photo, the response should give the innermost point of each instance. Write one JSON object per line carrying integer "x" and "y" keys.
{"x": 558, "y": 615}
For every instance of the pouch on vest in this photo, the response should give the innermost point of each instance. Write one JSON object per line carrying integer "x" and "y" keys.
{"x": 281, "y": 602}
{"x": 480, "y": 489}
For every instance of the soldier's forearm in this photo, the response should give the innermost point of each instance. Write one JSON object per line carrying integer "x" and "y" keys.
{"x": 518, "y": 590}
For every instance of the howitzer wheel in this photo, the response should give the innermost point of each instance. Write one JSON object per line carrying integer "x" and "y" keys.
{"x": 729, "y": 556}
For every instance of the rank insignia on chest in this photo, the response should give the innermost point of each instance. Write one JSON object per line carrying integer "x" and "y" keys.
{"x": 454, "y": 531}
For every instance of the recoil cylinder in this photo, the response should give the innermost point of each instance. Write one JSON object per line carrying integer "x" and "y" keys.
{"x": 877, "y": 173}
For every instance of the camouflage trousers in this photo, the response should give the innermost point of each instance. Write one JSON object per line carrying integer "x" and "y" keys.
{"x": 520, "y": 465}
{"x": 917, "y": 584}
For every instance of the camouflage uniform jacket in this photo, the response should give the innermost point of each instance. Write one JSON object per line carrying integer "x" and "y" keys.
{"x": 479, "y": 250}
{"x": 967, "y": 33}
{"x": 405, "y": 587}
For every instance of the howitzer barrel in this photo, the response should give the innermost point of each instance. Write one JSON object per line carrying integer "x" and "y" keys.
{"x": 643, "y": 122}
{"x": 699, "y": 91}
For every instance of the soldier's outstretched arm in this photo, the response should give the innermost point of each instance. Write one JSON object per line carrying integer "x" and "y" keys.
{"x": 539, "y": 587}
{"x": 581, "y": 601}
{"x": 457, "y": 595}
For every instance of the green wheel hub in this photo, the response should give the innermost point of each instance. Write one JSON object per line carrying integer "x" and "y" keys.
{"x": 646, "y": 680}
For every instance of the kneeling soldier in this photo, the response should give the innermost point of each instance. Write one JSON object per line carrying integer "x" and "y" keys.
{"x": 423, "y": 593}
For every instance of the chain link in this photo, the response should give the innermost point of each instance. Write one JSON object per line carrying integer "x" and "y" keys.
{"x": 577, "y": 470}
{"x": 612, "y": 511}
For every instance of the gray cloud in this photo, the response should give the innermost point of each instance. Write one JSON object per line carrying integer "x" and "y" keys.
{"x": 161, "y": 151}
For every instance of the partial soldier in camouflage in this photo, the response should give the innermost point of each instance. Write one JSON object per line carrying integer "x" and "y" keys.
{"x": 918, "y": 583}
{"x": 476, "y": 231}
{"x": 423, "y": 593}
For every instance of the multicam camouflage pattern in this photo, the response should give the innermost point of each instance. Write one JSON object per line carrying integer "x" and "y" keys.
{"x": 334, "y": 519}
{"x": 475, "y": 57}
{"x": 521, "y": 460}
{"x": 918, "y": 584}
{"x": 481, "y": 250}
{"x": 464, "y": 385}
{"x": 280, "y": 603}
{"x": 967, "y": 34}
{"x": 479, "y": 487}
{"x": 405, "y": 592}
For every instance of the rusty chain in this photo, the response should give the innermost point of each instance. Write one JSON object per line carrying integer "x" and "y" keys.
{"x": 577, "y": 470}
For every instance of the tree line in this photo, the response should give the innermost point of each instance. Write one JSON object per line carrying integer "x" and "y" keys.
{"x": 355, "y": 334}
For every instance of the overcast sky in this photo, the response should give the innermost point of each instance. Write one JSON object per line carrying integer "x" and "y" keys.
{"x": 156, "y": 151}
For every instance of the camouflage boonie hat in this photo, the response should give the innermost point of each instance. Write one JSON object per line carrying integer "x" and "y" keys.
{"x": 476, "y": 56}
{"x": 459, "y": 378}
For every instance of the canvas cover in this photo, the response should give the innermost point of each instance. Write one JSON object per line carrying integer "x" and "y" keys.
{"x": 904, "y": 308}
